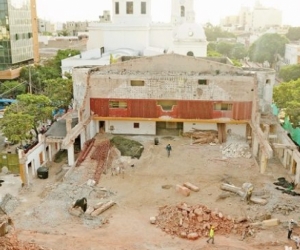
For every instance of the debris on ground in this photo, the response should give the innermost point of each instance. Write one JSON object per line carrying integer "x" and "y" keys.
{"x": 241, "y": 192}
{"x": 285, "y": 208}
{"x": 202, "y": 136}
{"x": 236, "y": 147}
{"x": 11, "y": 242}
{"x": 193, "y": 221}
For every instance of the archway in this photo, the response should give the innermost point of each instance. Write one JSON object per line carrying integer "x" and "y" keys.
{"x": 190, "y": 53}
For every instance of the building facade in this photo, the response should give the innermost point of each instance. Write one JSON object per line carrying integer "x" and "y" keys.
{"x": 18, "y": 36}
{"x": 132, "y": 27}
{"x": 257, "y": 18}
{"x": 292, "y": 53}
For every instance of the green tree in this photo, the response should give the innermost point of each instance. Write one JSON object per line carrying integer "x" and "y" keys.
{"x": 12, "y": 89}
{"x": 293, "y": 34}
{"x": 38, "y": 107}
{"x": 214, "y": 32}
{"x": 51, "y": 69}
{"x": 59, "y": 91}
{"x": 224, "y": 48}
{"x": 287, "y": 96}
{"x": 267, "y": 47}
{"x": 15, "y": 126}
{"x": 290, "y": 72}
{"x": 239, "y": 51}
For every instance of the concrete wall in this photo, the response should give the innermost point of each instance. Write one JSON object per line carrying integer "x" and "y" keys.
{"x": 237, "y": 129}
{"x": 170, "y": 76}
{"x": 189, "y": 126}
{"x": 127, "y": 127}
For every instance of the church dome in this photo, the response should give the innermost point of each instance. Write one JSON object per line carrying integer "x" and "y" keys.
{"x": 189, "y": 32}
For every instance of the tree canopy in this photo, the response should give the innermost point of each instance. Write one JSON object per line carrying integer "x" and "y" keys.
{"x": 287, "y": 96}
{"x": 214, "y": 32}
{"x": 267, "y": 47}
{"x": 290, "y": 72}
{"x": 293, "y": 34}
{"x": 34, "y": 108}
{"x": 12, "y": 89}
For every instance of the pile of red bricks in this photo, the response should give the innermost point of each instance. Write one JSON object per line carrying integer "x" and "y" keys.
{"x": 100, "y": 155}
{"x": 194, "y": 221}
{"x": 11, "y": 242}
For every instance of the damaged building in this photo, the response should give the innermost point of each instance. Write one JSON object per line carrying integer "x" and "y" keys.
{"x": 171, "y": 94}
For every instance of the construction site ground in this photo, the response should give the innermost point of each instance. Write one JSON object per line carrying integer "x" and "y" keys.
{"x": 40, "y": 212}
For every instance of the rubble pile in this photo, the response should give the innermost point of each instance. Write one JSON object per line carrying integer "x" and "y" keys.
{"x": 285, "y": 208}
{"x": 194, "y": 221}
{"x": 236, "y": 150}
{"x": 202, "y": 136}
{"x": 11, "y": 242}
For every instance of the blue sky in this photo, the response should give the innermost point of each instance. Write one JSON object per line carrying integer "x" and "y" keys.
{"x": 206, "y": 11}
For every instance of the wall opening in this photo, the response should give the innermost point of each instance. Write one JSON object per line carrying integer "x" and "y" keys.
{"x": 202, "y": 81}
{"x": 143, "y": 8}
{"x": 118, "y": 104}
{"x": 136, "y": 125}
{"x": 268, "y": 81}
{"x": 190, "y": 53}
{"x": 223, "y": 106}
{"x": 166, "y": 105}
{"x": 117, "y": 8}
{"x": 137, "y": 83}
{"x": 182, "y": 11}
{"x": 129, "y": 7}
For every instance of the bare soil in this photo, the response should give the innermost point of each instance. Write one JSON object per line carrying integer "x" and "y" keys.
{"x": 42, "y": 215}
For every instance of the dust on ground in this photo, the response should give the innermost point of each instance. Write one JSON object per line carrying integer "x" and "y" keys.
{"x": 42, "y": 215}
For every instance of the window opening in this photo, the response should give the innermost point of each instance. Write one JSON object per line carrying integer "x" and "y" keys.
{"x": 223, "y": 106}
{"x": 129, "y": 7}
{"x": 143, "y": 8}
{"x": 137, "y": 83}
{"x": 202, "y": 82}
{"x": 118, "y": 104}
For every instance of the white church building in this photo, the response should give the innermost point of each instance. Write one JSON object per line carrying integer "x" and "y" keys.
{"x": 132, "y": 33}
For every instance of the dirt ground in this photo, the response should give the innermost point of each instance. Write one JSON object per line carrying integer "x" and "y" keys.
{"x": 42, "y": 216}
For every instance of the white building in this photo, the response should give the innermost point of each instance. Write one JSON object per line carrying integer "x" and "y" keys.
{"x": 259, "y": 17}
{"x": 132, "y": 28}
{"x": 292, "y": 54}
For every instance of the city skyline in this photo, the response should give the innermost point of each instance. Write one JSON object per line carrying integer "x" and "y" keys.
{"x": 70, "y": 10}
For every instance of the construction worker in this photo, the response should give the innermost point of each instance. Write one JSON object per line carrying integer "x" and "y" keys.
{"x": 290, "y": 229}
{"x": 169, "y": 148}
{"x": 249, "y": 194}
{"x": 211, "y": 235}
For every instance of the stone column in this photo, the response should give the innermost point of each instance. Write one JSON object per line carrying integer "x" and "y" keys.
{"x": 263, "y": 163}
{"x": 71, "y": 156}
{"x": 255, "y": 145}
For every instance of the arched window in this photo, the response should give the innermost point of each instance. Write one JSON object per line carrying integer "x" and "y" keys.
{"x": 182, "y": 11}
{"x": 190, "y": 53}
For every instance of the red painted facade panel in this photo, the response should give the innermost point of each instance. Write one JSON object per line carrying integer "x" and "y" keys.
{"x": 183, "y": 110}
{"x": 195, "y": 109}
{"x": 242, "y": 111}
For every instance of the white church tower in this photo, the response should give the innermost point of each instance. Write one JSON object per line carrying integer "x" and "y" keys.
{"x": 182, "y": 11}
{"x": 188, "y": 37}
{"x": 131, "y": 12}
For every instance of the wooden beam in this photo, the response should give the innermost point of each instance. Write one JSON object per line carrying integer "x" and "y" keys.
{"x": 266, "y": 147}
{"x": 285, "y": 146}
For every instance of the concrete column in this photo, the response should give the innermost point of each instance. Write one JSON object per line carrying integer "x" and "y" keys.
{"x": 50, "y": 151}
{"x": 285, "y": 158}
{"x": 255, "y": 146}
{"x": 263, "y": 163}
{"x": 82, "y": 138}
{"x": 71, "y": 156}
